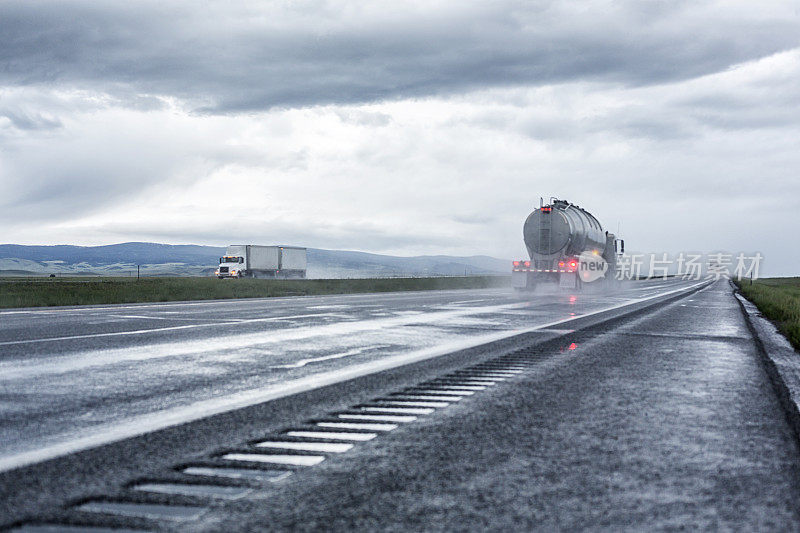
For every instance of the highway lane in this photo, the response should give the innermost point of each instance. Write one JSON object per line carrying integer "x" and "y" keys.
{"x": 666, "y": 421}
{"x": 72, "y": 377}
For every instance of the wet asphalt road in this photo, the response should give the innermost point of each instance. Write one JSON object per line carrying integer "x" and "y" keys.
{"x": 666, "y": 422}
{"x": 68, "y": 374}
{"x": 660, "y": 420}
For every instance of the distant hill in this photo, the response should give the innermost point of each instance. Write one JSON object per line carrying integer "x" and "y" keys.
{"x": 191, "y": 260}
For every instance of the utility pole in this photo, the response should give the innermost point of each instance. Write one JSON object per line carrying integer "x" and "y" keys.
{"x": 137, "y": 272}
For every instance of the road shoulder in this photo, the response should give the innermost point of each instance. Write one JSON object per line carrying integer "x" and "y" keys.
{"x": 781, "y": 361}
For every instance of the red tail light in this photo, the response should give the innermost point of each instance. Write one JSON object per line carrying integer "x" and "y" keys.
{"x": 527, "y": 263}
{"x": 516, "y": 263}
{"x": 561, "y": 264}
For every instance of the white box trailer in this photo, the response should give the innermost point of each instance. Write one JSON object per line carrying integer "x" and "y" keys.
{"x": 254, "y": 261}
{"x": 293, "y": 259}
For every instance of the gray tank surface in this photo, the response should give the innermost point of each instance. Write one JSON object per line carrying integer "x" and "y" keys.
{"x": 556, "y": 236}
{"x": 562, "y": 229}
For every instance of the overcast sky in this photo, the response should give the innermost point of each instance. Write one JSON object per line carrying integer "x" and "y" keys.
{"x": 401, "y": 127}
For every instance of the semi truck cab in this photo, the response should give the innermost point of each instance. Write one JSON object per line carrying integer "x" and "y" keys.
{"x": 230, "y": 267}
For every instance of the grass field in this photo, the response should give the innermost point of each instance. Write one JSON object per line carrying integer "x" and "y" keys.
{"x": 779, "y": 300}
{"x": 37, "y": 292}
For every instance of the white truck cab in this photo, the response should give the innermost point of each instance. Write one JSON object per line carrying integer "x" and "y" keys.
{"x": 230, "y": 267}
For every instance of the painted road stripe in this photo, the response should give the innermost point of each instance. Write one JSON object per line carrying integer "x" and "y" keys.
{"x": 452, "y": 377}
{"x": 157, "y": 330}
{"x": 381, "y": 418}
{"x": 407, "y": 410}
{"x": 358, "y": 425}
{"x": 334, "y": 435}
{"x": 495, "y": 375}
{"x": 187, "y": 489}
{"x": 340, "y": 355}
{"x": 443, "y": 392}
{"x": 143, "y": 510}
{"x": 464, "y": 382}
{"x": 237, "y": 473}
{"x": 402, "y": 396}
{"x": 305, "y": 446}
{"x": 293, "y": 460}
{"x": 471, "y": 376}
{"x": 466, "y": 388}
{"x": 409, "y": 403}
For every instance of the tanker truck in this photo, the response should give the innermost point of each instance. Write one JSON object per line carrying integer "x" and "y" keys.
{"x": 567, "y": 245}
{"x": 253, "y": 261}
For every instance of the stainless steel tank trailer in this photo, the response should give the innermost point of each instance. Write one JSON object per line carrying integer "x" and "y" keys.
{"x": 567, "y": 245}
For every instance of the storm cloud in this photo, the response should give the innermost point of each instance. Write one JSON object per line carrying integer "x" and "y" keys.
{"x": 236, "y": 57}
{"x": 408, "y": 128}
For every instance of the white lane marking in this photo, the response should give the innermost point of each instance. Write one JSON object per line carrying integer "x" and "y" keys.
{"x": 468, "y": 381}
{"x": 411, "y": 403}
{"x": 169, "y": 328}
{"x": 443, "y": 398}
{"x": 332, "y": 447}
{"x": 377, "y": 418}
{"x": 145, "y": 317}
{"x": 138, "y": 425}
{"x": 459, "y": 387}
{"x": 358, "y": 425}
{"x": 222, "y": 492}
{"x": 304, "y": 362}
{"x": 275, "y": 300}
{"x": 430, "y": 390}
{"x": 170, "y": 318}
{"x": 407, "y": 410}
{"x": 237, "y": 473}
{"x": 145, "y": 510}
{"x": 294, "y": 460}
{"x": 332, "y": 435}
{"x": 556, "y": 330}
{"x": 27, "y": 368}
{"x": 491, "y": 375}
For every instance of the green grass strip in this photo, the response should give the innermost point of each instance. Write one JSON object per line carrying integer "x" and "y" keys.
{"x": 38, "y": 292}
{"x": 779, "y": 300}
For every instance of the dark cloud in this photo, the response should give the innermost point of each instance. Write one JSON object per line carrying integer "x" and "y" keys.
{"x": 231, "y": 57}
